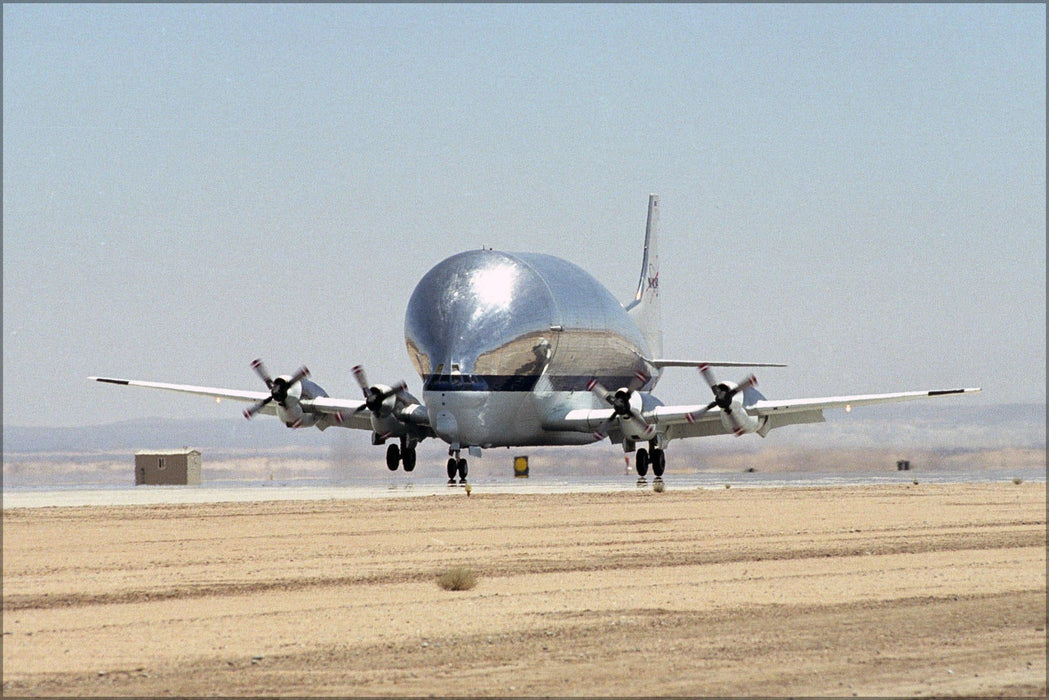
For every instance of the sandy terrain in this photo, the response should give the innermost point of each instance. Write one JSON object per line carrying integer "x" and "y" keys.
{"x": 878, "y": 590}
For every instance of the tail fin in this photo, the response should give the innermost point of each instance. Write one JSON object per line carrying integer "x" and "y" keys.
{"x": 644, "y": 309}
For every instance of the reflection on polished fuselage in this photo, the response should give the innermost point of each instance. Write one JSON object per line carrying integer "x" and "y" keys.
{"x": 503, "y": 339}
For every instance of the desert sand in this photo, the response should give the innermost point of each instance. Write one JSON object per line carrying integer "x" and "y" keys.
{"x": 904, "y": 589}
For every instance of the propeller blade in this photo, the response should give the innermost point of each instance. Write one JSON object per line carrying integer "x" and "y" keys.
{"x": 722, "y": 394}
{"x": 622, "y": 410}
{"x": 374, "y": 396}
{"x": 278, "y": 387}
{"x": 642, "y": 379}
{"x": 602, "y": 432}
{"x": 362, "y": 379}
{"x": 599, "y": 391}
{"x": 250, "y": 412}
{"x": 750, "y": 381}
{"x": 260, "y": 369}
{"x": 299, "y": 375}
{"x": 708, "y": 375}
{"x": 691, "y": 417}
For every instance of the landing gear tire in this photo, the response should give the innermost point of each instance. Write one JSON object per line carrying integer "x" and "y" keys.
{"x": 408, "y": 458}
{"x": 393, "y": 457}
{"x": 641, "y": 462}
{"x": 463, "y": 469}
{"x": 453, "y": 469}
{"x": 659, "y": 463}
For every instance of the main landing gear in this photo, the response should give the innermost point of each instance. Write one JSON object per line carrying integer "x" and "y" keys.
{"x": 645, "y": 459}
{"x": 457, "y": 465}
{"x": 400, "y": 454}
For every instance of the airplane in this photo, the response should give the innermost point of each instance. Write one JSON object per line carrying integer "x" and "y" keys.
{"x": 527, "y": 349}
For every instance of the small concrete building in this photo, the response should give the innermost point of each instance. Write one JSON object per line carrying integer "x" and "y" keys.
{"x": 167, "y": 467}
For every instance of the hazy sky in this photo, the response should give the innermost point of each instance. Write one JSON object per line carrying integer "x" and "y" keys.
{"x": 857, "y": 191}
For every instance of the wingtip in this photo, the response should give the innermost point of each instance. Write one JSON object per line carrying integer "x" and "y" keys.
{"x": 110, "y": 380}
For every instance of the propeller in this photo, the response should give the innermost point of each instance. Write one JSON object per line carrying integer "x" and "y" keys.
{"x": 619, "y": 400}
{"x": 278, "y": 387}
{"x": 375, "y": 395}
{"x": 723, "y": 395}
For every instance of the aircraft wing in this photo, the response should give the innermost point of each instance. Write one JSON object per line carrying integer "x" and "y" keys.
{"x": 696, "y": 421}
{"x": 346, "y": 407}
{"x": 232, "y": 394}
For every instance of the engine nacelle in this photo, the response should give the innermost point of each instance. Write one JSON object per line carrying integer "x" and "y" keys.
{"x": 388, "y": 403}
{"x": 632, "y": 427}
{"x": 291, "y": 413}
{"x": 739, "y": 422}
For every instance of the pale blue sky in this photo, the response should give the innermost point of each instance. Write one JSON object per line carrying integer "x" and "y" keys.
{"x": 857, "y": 191}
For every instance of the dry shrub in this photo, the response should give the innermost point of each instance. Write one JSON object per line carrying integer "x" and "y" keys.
{"x": 458, "y": 578}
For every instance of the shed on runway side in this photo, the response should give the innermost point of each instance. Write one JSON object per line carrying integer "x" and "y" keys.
{"x": 167, "y": 467}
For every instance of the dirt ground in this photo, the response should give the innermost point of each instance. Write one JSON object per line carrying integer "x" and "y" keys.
{"x": 875, "y": 590}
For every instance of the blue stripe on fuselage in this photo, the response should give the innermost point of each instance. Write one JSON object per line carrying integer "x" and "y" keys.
{"x": 514, "y": 382}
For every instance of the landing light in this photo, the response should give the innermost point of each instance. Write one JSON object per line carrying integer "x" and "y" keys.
{"x": 848, "y": 408}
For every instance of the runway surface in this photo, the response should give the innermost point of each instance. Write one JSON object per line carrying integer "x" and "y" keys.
{"x": 399, "y": 485}
{"x": 877, "y": 590}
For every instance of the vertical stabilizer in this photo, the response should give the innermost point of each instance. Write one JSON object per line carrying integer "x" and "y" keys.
{"x": 644, "y": 309}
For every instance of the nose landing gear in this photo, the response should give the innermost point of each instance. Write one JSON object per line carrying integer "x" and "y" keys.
{"x": 457, "y": 465}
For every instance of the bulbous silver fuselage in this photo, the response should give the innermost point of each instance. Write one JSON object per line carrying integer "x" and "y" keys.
{"x": 504, "y": 338}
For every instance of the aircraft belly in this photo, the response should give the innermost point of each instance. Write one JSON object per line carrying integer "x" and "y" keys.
{"x": 498, "y": 418}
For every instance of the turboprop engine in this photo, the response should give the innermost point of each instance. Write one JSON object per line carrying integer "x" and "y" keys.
{"x": 626, "y": 408}
{"x": 733, "y": 416}
{"x": 380, "y": 399}
{"x": 728, "y": 396}
{"x": 287, "y": 391}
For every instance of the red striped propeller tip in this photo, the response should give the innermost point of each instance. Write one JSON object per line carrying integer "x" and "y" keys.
{"x": 591, "y": 384}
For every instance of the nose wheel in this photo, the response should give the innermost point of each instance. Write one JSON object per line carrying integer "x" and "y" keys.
{"x": 457, "y": 466}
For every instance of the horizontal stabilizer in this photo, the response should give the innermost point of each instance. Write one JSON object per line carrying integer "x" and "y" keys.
{"x": 699, "y": 363}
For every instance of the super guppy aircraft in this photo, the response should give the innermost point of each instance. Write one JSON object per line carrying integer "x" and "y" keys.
{"x": 522, "y": 349}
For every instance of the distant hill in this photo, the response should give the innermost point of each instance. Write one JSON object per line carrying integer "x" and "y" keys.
{"x": 1012, "y": 425}
{"x": 162, "y": 433}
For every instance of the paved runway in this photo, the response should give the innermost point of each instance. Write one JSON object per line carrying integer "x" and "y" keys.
{"x": 400, "y": 486}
